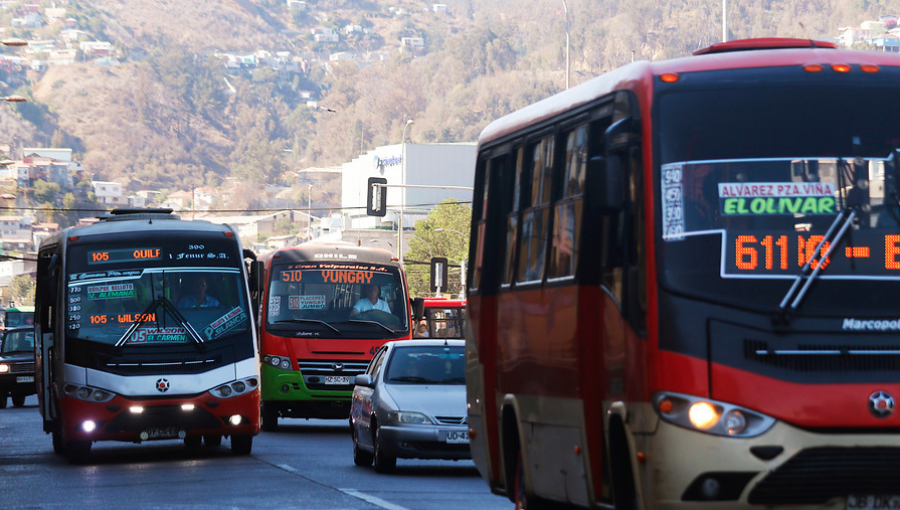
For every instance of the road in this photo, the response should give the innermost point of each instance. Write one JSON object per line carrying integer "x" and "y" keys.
{"x": 305, "y": 465}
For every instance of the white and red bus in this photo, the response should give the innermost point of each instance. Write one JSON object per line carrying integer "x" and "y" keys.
{"x": 316, "y": 331}
{"x": 437, "y": 317}
{"x": 143, "y": 331}
{"x": 683, "y": 288}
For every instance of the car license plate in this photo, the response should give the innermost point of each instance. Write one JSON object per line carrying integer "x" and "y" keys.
{"x": 457, "y": 437}
{"x": 860, "y": 502}
{"x": 25, "y": 379}
{"x": 162, "y": 433}
{"x": 337, "y": 379}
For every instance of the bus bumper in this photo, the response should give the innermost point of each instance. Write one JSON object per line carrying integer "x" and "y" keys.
{"x": 287, "y": 393}
{"x": 137, "y": 420}
{"x": 689, "y": 469}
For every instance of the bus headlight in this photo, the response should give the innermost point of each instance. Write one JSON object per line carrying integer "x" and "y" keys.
{"x": 277, "y": 361}
{"x": 710, "y": 416}
{"x": 235, "y": 388}
{"x": 88, "y": 394}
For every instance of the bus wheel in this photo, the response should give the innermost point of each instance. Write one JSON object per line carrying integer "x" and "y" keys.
{"x": 18, "y": 400}
{"x": 623, "y": 486}
{"x": 193, "y": 441}
{"x": 212, "y": 439}
{"x": 78, "y": 452}
{"x": 59, "y": 447}
{"x": 241, "y": 444}
{"x": 360, "y": 457}
{"x": 384, "y": 462}
{"x": 523, "y": 500}
{"x": 269, "y": 418}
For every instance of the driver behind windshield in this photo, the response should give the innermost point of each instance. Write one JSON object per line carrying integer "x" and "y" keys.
{"x": 370, "y": 301}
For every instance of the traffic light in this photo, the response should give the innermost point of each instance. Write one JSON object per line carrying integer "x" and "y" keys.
{"x": 439, "y": 267}
{"x": 376, "y": 197}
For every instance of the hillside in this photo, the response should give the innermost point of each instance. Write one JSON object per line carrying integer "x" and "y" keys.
{"x": 170, "y": 113}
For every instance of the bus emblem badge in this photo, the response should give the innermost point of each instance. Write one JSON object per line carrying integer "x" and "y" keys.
{"x": 163, "y": 385}
{"x": 337, "y": 367}
{"x": 881, "y": 404}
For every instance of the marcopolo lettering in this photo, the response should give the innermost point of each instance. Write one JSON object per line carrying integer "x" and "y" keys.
{"x": 871, "y": 325}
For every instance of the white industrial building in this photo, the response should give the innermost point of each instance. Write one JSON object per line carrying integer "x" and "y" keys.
{"x": 408, "y": 164}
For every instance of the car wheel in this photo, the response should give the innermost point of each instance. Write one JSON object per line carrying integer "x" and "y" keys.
{"x": 384, "y": 461}
{"x": 78, "y": 452}
{"x": 269, "y": 418}
{"x": 3, "y": 395}
{"x": 360, "y": 457}
{"x": 18, "y": 400}
{"x": 241, "y": 444}
{"x": 212, "y": 439}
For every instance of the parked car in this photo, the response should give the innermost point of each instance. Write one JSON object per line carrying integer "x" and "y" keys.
{"x": 17, "y": 365}
{"x": 411, "y": 403}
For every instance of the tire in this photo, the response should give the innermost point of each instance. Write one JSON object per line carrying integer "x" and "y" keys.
{"x": 3, "y": 395}
{"x": 78, "y": 452}
{"x": 360, "y": 457}
{"x": 18, "y": 400}
{"x": 193, "y": 442}
{"x": 212, "y": 440}
{"x": 384, "y": 461}
{"x": 59, "y": 447}
{"x": 269, "y": 417}
{"x": 241, "y": 444}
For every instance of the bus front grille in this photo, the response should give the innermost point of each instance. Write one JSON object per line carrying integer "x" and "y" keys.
{"x": 322, "y": 374}
{"x": 815, "y": 475}
{"x": 166, "y": 365}
{"x": 159, "y": 417}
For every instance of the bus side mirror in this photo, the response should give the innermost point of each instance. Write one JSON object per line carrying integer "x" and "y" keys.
{"x": 608, "y": 190}
{"x": 418, "y": 309}
{"x": 621, "y": 134}
{"x": 256, "y": 281}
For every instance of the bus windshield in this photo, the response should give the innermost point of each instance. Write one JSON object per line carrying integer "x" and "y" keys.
{"x": 752, "y": 178}
{"x": 341, "y": 300}
{"x": 121, "y": 301}
{"x": 18, "y": 317}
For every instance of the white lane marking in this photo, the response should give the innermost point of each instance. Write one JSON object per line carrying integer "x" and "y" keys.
{"x": 372, "y": 499}
{"x": 288, "y": 468}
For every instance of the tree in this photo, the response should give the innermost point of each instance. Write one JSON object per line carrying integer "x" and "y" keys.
{"x": 21, "y": 290}
{"x": 444, "y": 233}
{"x": 45, "y": 192}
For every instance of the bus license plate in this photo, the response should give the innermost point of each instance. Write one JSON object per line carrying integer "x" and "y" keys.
{"x": 859, "y": 502}
{"x": 457, "y": 437}
{"x": 25, "y": 379}
{"x": 337, "y": 379}
{"x": 163, "y": 433}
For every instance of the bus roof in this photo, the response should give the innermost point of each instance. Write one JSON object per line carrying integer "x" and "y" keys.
{"x": 25, "y": 309}
{"x": 331, "y": 252}
{"x": 746, "y": 53}
{"x": 443, "y": 302}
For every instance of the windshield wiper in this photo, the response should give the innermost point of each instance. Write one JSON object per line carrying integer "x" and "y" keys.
{"x": 833, "y": 236}
{"x": 410, "y": 378}
{"x": 389, "y": 330}
{"x": 167, "y": 306}
{"x": 311, "y": 321}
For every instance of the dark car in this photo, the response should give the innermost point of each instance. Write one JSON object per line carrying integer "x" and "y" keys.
{"x": 411, "y": 403}
{"x": 17, "y": 366}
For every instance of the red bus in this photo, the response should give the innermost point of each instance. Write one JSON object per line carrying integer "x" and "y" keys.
{"x": 683, "y": 285}
{"x": 439, "y": 318}
{"x": 143, "y": 331}
{"x": 325, "y": 311}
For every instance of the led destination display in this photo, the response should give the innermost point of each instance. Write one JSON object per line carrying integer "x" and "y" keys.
{"x": 782, "y": 254}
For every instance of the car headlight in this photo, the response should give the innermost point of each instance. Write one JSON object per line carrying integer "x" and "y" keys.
{"x": 710, "y": 416}
{"x": 4, "y": 369}
{"x": 410, "y": 418}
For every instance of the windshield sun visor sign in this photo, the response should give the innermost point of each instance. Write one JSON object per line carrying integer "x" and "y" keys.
{"x": 768, "y": 198}
{"x": 223, "y": 324}
{"x": 673, "y": 201}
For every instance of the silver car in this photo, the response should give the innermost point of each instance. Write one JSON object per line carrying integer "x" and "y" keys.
{"x": 411, "y": 403}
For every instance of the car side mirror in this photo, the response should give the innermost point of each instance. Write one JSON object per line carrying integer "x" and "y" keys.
{"x": 364, "y": 380}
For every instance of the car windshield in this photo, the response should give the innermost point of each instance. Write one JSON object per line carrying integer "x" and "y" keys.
{"x": 753, "y": 177}
{"x": 18, "y": 341}
{"x": 427, "y": 365}
{"x": 341, "y": 300}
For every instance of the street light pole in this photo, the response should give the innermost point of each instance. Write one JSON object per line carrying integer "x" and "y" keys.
{"x": 402, "y": 194}
{"x": 309, "y": 214}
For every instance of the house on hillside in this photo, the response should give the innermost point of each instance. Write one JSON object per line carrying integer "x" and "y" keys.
{"x": 413, "y": 43}
{"x": 109, "y": 193}
{"x": 886, "y": 42}
{"x": 439, "y": 7}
